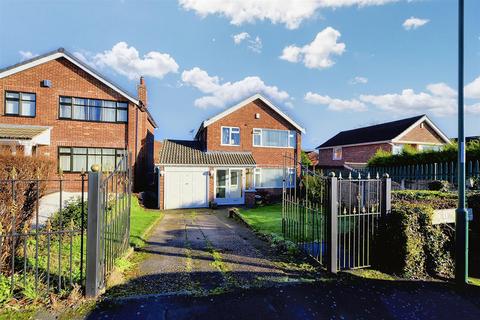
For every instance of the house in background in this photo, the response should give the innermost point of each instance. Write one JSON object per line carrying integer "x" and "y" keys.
{"x": 57, "y": 107}
{"x": 352, "y": 149}
{"x": 245, "y": 149}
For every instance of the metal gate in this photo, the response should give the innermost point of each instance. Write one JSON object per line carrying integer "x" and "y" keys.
{"x": 333, "y": 219}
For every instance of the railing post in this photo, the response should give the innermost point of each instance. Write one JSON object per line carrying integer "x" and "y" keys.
{"x": 92, "y": 280}
{"x": 332, "y": 224}
{"x": 386, "y": 194}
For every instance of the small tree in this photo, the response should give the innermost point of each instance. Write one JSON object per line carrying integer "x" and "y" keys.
{"x": 305, "y": 160}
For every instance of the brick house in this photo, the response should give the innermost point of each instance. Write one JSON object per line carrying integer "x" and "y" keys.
{"x": 235, "y": 154}
{"x": 353, "y": 148}
{"x": 57, "y": 107}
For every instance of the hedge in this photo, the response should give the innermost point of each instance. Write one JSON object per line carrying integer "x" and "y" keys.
{"x": 421, "y": 249}
{"x": 410, "y": 156}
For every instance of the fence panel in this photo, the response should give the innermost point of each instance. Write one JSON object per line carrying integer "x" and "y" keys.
{"x": 41, "y": 241}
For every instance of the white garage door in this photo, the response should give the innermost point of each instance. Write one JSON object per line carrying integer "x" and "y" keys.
{"x": 186, "y": 187}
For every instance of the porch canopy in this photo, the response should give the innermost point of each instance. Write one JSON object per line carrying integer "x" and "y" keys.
{"x": 24, "y": 135}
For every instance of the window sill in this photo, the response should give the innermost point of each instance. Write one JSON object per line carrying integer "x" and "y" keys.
{"x": 271, "y": 147}
{"x": 18, "y": 116}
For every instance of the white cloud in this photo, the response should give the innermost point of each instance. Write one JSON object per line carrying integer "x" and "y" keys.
{"x": 317, "y": 54}
{"x": 238, "y": 38}
{"x": 414, "y": 23}
{"x": 472, "y": 90}
{"x": 27, "y": 55}
{"x": 222, "y": 94}
{"x": 359, "y": 80}
{"x": 254, "y": 45}
{"x": 126, "y": 61}
{"x": 439, "y": 99}
{"x": 287, "y": 12}
{"x": 335, "y": 104}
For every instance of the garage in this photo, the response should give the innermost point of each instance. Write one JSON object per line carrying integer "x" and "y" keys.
{"x": 186, "y": 187}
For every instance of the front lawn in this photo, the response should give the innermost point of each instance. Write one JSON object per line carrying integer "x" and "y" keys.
{"x": 141, "y": 222}
{"x": 265, "y": 219}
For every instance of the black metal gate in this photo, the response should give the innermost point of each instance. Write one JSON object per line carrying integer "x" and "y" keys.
{"x": 333, "y": 219}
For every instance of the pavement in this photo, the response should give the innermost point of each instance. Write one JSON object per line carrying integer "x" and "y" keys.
{"x": 202, "y": 265}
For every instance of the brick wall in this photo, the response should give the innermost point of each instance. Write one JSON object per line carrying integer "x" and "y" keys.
{"x": 425, "y": 135}
{"x": 358, "y": 154}
{"x": 69, "y": 80}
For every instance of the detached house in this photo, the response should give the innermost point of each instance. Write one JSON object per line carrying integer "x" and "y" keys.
{"x": 353, "y": 148}
{"x": 57, "y": 107}
{"x": 235, "y": 154}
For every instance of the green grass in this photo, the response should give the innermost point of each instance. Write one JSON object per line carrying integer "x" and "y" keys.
{"x": 265, "y": 219}
{"x": 474, "y": 281}
{"x": 141, "y": 221}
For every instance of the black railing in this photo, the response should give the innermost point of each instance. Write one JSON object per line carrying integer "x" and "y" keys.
{"x": 41, "y": 244}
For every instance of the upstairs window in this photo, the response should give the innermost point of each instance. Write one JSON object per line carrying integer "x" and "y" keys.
{"x": 337, "y": 153}
{"x": 20, "y": 104}
{"x": 274, "y": 138}
{"x": 93, "y": 110}
{"x": 230, "y": 136}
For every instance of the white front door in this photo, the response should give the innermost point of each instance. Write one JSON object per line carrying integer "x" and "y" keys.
{"x": 186, "y": 187}
{"x": 229, "y": 186}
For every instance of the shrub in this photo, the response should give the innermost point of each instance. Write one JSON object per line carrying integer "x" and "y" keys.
{"x": 439, "y": 185}
{"x": 421, "y": 249}
{"x": 16, "y": 215}
{"x": 313, "y": 187}
{"x": 71, "y": 212}
{"x": 304, "y": 159}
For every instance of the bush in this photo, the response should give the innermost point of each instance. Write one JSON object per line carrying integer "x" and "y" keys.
{"x": 410, "y": 156}
{"x": 434, "y": 199}
{"x": 72, "y": 212}
{"x": 420, "y": 248}
{"x": 22, "y": 209}
{"x": 313, "y": 187}
{"x": 439, "y": 185}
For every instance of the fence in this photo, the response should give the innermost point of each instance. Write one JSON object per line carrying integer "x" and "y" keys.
{"x": 334, "y": 220}
{"x": 420, "y": 175}
{"x": 41, "y": 247}
{"x": 108, "y": 222}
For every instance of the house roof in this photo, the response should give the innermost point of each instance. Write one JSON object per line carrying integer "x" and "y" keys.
{"x": 62, "y": 53}
{"x": 384, "y": 132}
{"x": 20, "y": 132}
{"x": 241, "y": 104}
{"x": 188, "y": 152}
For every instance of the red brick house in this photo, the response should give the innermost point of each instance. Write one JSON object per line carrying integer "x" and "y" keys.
{"x": 58, "y": 107}
{"x": 234, "y": 154}
{"x": 353, "y": 148}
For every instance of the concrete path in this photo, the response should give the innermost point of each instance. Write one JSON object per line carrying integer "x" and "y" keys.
{"x": 203, "y": 252}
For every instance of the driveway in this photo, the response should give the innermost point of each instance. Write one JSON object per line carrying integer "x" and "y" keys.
{"x": 203, "y": 252}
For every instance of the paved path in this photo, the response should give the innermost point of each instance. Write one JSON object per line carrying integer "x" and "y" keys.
{"x": 204, "y": 251}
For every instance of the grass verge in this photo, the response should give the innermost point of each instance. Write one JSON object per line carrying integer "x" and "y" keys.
{"x": 142, "y": 222}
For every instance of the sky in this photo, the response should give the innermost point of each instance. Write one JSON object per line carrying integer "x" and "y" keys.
{"x": 331, "y": 65}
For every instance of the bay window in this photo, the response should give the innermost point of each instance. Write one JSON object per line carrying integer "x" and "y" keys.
{"x": 230, "y": 136}
{"x": 273, "y": 177}
{"x": 20, "y": 104}
{"x": 93, "y": 110}
{"x": 274, "y": 138}
{"x": 78, "y": 159}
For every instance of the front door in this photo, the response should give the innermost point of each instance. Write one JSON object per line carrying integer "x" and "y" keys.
{"x": 229, "y": 186}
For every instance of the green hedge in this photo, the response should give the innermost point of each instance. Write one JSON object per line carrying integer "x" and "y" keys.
{"x": 420, "y": 248}
{"x": 410, "y": 156}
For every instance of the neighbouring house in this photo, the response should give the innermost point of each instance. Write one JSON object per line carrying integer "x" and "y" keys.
{"x": 247, "y": 149}
{"x": 352, "y": 149}
{"x": 56, "y": 106}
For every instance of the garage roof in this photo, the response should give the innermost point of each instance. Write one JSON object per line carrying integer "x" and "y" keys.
{"x": 188, "y": 152}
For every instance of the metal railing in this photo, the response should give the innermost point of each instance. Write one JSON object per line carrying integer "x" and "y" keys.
{"x": 108, "y": 222}
{"x": 332, "y": 219}
{"x": 41, "y": 247}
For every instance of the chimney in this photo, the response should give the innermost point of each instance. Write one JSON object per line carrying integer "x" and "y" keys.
{"x": 142, "y": 92}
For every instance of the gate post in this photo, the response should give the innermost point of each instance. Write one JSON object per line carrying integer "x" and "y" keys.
{"x": 92, "y": 279}
{"x": 332, "y": 224}
{"x": 386, "y": 195}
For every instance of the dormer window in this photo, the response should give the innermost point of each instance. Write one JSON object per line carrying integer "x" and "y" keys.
{"x": 230, "y": 136}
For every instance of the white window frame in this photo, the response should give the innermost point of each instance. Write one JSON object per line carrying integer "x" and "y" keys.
{"x": 260, "y": 131}
{"x": 335, "y": 149}
{"x": 291, "y": 171}
{"x": 398, "y": 146}
{"x": 230, "y": 136}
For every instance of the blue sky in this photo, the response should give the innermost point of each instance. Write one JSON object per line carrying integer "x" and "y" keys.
{"x": 331, "y": 65}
